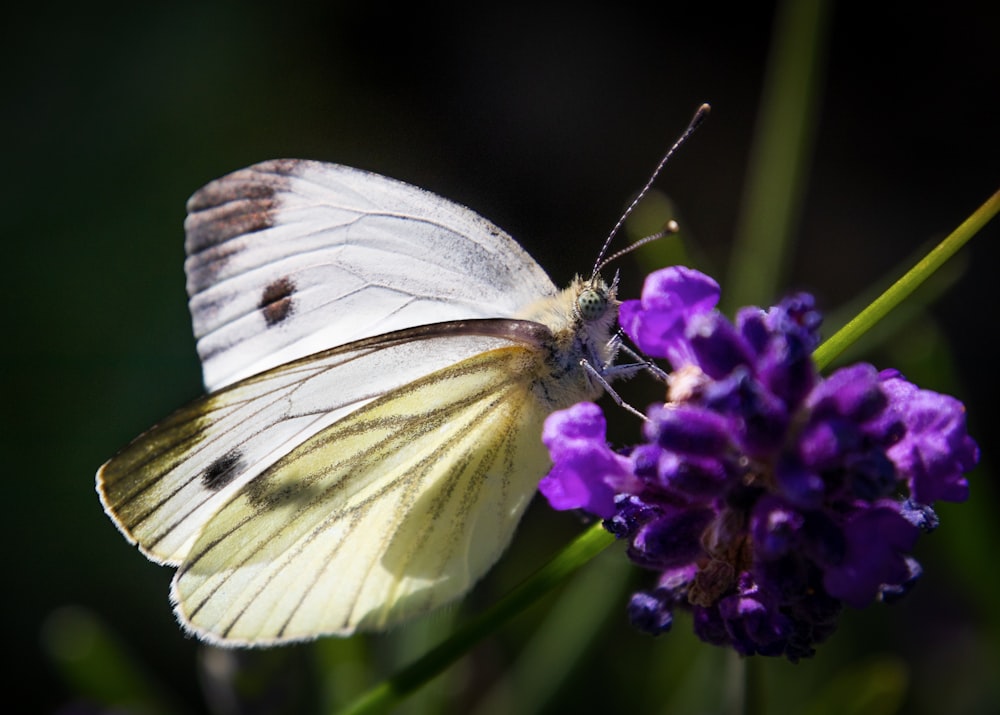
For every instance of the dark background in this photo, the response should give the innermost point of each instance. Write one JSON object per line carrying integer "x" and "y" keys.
{"x": 543, "y": 120}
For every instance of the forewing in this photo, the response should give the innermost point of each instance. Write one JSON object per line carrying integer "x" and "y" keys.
{"x": 392, "y": 511}
{"x": 163, "y": 487}
{"x": 290, "y": 257}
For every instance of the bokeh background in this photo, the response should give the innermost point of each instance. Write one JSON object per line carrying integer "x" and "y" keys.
{"x": 545, "y": 120}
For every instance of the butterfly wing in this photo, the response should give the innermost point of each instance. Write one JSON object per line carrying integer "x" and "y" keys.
{"x": 329, "y": 486}
{"x": 163, "y": 487}
{"x": 290, "y": 257}
{"x": 393, "y": 510}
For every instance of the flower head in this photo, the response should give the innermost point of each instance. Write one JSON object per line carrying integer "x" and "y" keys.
{"x": 765, "y": 495}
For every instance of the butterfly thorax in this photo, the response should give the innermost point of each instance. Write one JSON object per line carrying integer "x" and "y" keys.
{"x": 581, "y": 319}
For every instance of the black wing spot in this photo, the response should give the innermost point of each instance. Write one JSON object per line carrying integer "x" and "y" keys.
{"x": 222, "y": 471}
{"x": 276, "y": 301}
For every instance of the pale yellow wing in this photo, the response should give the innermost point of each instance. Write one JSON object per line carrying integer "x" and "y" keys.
{"x": 393, "y": 510}
{"x": 168, "y": 483}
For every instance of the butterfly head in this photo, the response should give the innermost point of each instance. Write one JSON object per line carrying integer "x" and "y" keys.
{"x": 594, "y": 302}
{"x": 594, "y": 315}
{"x": 591, "y": 304}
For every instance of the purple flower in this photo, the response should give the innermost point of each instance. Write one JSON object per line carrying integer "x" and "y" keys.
{"x": 877, "y": 539}
{"x": 658, "y": 322}
{"x": 934, "y": 451}
{"x": 586, "y": 473}
{"x": 765, "y": 495}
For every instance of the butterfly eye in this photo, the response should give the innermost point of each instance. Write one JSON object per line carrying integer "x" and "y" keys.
{"x": 591, "y": 304}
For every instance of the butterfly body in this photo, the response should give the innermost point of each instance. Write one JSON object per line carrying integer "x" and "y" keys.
{"x": 379, "y": 363}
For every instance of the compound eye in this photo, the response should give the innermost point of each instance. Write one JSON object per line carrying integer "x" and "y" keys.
{"x": 592, "y": 304}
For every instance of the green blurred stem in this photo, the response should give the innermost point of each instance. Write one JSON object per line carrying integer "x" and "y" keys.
{"x": 391, "y": 691}
{"x": 754, "y": 702}
{"x": 781, "y": 151}
{"x": 743, "y": 685}
{"x": 901, "y": 289}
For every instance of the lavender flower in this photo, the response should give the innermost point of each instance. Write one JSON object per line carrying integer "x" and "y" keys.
{"x": 765, "y": 495}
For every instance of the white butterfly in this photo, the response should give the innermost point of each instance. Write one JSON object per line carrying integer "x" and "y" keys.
{"x": 379, "y": 362}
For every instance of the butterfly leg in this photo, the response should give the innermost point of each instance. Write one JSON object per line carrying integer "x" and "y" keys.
{"x": 619, "y": 370}
{"x": 641, "y": 362}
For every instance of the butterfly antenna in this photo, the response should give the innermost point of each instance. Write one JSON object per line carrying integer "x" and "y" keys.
{"x": 668, "y": 230}
{"x": 696, "y": 120}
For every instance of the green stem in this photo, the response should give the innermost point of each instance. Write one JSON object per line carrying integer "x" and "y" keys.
{"x": 782, "y": 149}
{"x": 924, "y": 269}
{"x": 743, "y": 686}
{"x": 390, "y": 691}
{"x": 754, "y": 702}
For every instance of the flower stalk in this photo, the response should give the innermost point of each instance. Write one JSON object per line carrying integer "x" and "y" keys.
{"x": 863, "y": 322}
{"x": 394, "y": 689}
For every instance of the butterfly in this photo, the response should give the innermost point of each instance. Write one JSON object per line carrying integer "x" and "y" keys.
{"x": 378, "y": 364}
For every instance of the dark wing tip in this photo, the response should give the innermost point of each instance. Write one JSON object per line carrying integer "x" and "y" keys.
{"x": 251, "y": 182}
{"x": 242, "y": 202}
